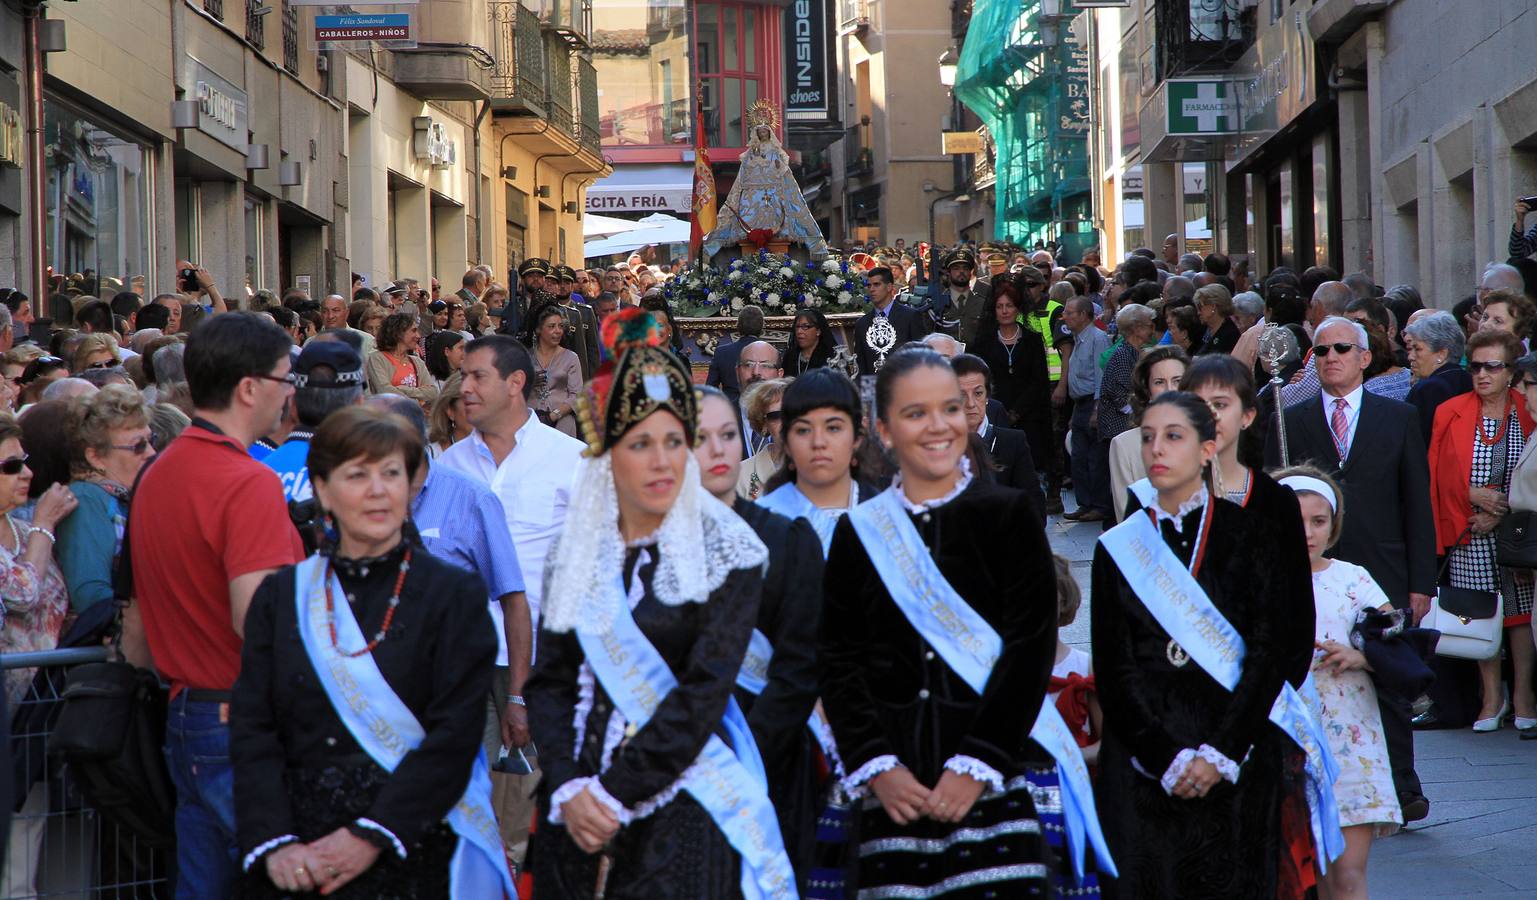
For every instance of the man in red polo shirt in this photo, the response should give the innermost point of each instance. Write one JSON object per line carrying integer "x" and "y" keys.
{"x": 208, "y": 523}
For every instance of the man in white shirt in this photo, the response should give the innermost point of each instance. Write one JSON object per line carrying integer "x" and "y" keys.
{"x": 530, "y": 466}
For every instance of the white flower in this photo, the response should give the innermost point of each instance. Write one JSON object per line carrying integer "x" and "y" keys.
{"x": 830, "y": 265}
{"x": 790, "y": 309}
{"x": 845, "y": 297}
{"x": 693, "y": 282}
{"x": 834, "y": 282}
{"x": 713, "y": 297}
{"x": 771, "y": 299}
{"x": 786, "y": 271}
{"x": 765, "y": 270}
{"x": 734, "y": 276}
{"x": 757, "y": 292}
{"x": 816, "y": 302}
{"x": 737, "y": 304}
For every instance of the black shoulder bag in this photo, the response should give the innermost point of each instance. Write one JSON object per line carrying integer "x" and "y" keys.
{"x": 112, "y": 728}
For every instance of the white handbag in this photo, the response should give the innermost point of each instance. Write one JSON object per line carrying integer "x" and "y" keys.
{"x": 1471, "y": 623}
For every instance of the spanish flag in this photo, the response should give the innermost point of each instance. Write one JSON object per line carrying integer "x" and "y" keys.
{"x": 703, "y": 220}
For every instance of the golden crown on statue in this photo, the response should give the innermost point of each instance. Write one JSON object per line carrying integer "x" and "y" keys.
{"x": 763, "y": 112}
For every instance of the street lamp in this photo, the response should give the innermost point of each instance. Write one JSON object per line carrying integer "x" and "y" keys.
{"x": 949, "y": 61}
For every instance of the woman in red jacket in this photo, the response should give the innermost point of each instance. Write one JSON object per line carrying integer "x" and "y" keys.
{"x": 1475, "y": 445}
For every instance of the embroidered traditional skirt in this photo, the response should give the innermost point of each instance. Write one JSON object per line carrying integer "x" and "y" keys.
{"x": 996, "y": 853}
{"x": 1046, "y": 793}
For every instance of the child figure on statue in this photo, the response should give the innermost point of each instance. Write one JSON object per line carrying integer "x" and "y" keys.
{"x": 1347, "y": 697}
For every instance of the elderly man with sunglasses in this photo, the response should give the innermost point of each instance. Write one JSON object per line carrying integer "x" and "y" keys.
{"x": 1373, "y": 447}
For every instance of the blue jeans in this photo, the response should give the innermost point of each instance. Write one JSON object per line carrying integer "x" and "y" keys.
{"x": 197, "y": 752}
{"x": 1090, "y": 467}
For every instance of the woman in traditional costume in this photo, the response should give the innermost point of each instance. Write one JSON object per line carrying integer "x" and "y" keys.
{"x": 356, "y": 721}
{"x": 777, "y": 685}
{"x": 653, "y": 786}
{"x": 1193, "y": 639}
{"x": 826, "y": 453}
{"x": 937, "y": 646}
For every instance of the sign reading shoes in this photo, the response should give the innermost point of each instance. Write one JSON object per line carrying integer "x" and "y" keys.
{"x": 1201, "y": 107}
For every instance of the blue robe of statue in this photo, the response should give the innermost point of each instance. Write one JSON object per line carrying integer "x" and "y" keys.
{"x": 766, "y": 196}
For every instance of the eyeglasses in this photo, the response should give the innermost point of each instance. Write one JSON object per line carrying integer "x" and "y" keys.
{"x": 773, "y": 415}
{"x": 288, "y": 379}
{"x": 1493, "y": 365}
{"x": 137, "y": 448}
{"x": 41, "y": 366}
{"x": 104, "y": 364}
{"x": 757, "y": 366}
{"x": 13, "y": 465}
{"x": 1323, "y": 350}
{"x": 805, "y": 326}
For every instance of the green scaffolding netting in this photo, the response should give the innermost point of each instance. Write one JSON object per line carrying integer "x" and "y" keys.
{"x": 1027, "y": 80}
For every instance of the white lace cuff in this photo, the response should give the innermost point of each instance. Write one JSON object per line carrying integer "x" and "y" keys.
{"x": 975, "y": 768}
{"x": 593, "y": 786}
{"x": 1171, "y": 775}
{"x": 264, "y": 849}
{"x": 371, "y": 825}
{"x": 855, "y": 785}
{"x": 1224, "y": 766}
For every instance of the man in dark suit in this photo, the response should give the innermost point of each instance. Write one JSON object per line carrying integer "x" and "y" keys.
{"x": 1373, "y": 448}
{"x": 1008, "y": 447}
{"x": 906, "y": 321}
{"x": 722, "y": 374}
{"x": 581, "y": 323}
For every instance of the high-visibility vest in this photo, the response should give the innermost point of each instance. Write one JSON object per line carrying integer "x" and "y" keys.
{"x": 1040, "y": 323}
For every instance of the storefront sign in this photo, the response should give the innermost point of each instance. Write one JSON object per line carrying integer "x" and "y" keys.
{"x": 385, "y": 27}
{"x": 644, "y": 188}
{"x": 1201, "y": 107}
{"x": 807, "y": 89}
{"x": 10, "y": 136}
{"x": 223, "y": 108}
{"x": 958, "y": 142}
{"x": 432, "y": 144}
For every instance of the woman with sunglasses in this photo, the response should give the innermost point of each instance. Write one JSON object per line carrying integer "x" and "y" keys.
{"x": 95, "y": 351}
{"x": 762, "y": 404}
{"x": 108, "y": 440}
{"x": 1476, "y": 445}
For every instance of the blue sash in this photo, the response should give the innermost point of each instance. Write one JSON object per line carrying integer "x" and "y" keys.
{"x": 753, "y": 676}
{"x": 971, "y": 648}
{"x": 788, "y": 501}
{"x": 1179, "y": 603}
{"x": 387, "y": 730}
{"x": 731, "y": 786}
{"x": 1144, "y": 491}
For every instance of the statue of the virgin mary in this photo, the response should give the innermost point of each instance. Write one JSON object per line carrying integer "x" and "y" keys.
{"x": 765, "y": 201}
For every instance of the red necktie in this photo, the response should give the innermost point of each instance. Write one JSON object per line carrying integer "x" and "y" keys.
{"x": 1341, "y": 427}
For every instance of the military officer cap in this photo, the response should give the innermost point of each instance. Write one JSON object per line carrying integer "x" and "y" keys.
{"x": 961, "y": 256}
{"x": 533, "y": 266}
{"x": 564, "y": 273}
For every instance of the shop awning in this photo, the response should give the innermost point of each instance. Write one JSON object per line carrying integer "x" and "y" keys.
{"x": 648, "y": 187}
{"x": 657, "y": 229}
{"x": 595, "y": 226}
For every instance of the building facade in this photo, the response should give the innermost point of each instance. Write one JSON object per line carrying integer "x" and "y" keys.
{"x": 226, "y": 132}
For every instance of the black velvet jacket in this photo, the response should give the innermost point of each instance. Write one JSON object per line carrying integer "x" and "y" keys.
{"x": 884, "y": 688}
{"x": 702, "y": 643}
{"x": 788, "y": 614}
{"x": 1273, "y": 509}
{"x": 439, "y": 658}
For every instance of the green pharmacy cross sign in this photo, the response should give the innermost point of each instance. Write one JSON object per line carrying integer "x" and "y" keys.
{"x": 1201, "y": 107}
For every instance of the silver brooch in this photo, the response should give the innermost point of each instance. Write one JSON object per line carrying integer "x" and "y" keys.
{"x": 1176, "y": 654}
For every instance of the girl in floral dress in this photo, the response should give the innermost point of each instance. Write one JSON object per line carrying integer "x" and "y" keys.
{"x": 1347, "y": 698}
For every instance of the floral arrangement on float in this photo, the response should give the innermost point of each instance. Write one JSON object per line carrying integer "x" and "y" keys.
{"x": 778, "y": 284}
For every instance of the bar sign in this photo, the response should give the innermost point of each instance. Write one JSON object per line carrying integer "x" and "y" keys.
{"x": 356, "y": 27}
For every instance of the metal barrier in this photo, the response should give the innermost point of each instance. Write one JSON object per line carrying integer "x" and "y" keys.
{"x": 59, "y": 846}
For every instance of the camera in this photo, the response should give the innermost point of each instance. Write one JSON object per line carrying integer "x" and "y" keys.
{"x": 188, "y": 281}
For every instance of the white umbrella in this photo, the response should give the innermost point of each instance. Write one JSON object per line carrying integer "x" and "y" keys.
{"x": 660, "y": 228}
{"x": 595, "y": 226}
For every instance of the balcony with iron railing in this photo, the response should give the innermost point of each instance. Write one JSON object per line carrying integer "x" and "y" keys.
{"x": 588, "y": 127}
{"x": 559, "y": 93}
{"x": 571, "y": 19}
{"x": 1201, "y": 36}
{"x": 858, "y": 155}
{"x": 853, "y": 16}
{"x": 983, "y": 172}
{"x": 518, "y": 79}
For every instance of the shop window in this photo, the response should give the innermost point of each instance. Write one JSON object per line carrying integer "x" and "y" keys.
{"x": 98, "y": 231}
{"x": 640, "y": 52}
{"x": 727, "y": 58}
{"x": 255, "y": 245}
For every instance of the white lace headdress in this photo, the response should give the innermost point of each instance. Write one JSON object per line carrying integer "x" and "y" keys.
{"x": 700, "y": 542}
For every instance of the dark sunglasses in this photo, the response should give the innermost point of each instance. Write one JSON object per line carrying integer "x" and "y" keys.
{"x": 137, "y": 448}
{"x": 13, "y": 465}
{"x": 104, "y": 364}
{"x": 774, "y": 416}
{"x": 41, "y": 366}
{"x": 1493, "y": 365}
{"x": 1322, "y": 350}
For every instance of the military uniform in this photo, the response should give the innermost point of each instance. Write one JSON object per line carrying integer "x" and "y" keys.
{"x": 581, "y": 326}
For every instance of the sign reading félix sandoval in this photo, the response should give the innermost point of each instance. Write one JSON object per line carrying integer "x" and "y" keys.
{"x": 355, "y": 27}
{"x": 805, "y": 41}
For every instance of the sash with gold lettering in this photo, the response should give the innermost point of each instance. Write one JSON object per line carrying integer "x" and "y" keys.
{"x": 970, "y": 646}
{"x": 1182, "y": 607}
{"x": 729, "y": 782}
{"x": 386, "y": 729}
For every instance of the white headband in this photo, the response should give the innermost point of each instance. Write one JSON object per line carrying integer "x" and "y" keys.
{"x": 1314, "y": 485}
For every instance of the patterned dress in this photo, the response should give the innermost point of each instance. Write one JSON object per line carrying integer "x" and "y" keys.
{"x": 1348, "y": 701}
{"x": 36, "y": 604}
{"x": 1473, "y": 563}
